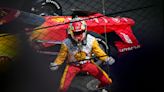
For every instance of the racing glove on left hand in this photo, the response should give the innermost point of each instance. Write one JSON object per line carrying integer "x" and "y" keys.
{"x": 110, "y": 60}
{"x": 54, "y": 66}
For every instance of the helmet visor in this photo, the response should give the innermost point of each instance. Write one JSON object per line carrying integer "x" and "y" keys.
{"x": 78, "y": 32}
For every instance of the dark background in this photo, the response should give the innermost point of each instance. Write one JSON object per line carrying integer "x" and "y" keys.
{"x": 138, "y": 70}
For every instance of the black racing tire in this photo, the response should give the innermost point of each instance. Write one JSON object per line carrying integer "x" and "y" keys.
{"x": 47, "y": 8}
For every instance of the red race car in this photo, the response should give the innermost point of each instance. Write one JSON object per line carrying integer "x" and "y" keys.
{"x": 47, "y": 31}
{"x": 54, "y": 29}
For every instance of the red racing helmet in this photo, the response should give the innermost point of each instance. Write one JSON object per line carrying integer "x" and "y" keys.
{"x": 77, "y": 29}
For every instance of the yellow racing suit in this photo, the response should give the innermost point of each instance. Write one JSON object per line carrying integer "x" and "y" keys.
{"x": 77, "y": 58}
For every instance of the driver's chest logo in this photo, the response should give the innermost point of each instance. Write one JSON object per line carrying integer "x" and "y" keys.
{"x": 80, "y": 55}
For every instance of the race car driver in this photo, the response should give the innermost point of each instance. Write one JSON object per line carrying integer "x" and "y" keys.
{"x": 77, "y": 50}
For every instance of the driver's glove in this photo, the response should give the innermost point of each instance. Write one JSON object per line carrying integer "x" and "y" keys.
{"x": 110, "y": 60}
{"x": 53, "y": 66}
